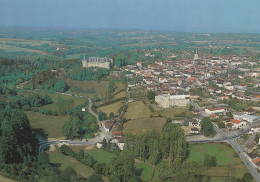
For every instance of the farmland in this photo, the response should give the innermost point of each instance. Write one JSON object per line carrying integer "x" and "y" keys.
{"x": 111, "y": 108}
{"x": 137, "y": 126}
{"x": 50, "y": 125}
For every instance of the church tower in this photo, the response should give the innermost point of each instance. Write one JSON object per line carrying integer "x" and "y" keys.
{"x": 196, "y": 56}
{"x": 84, "y": 62}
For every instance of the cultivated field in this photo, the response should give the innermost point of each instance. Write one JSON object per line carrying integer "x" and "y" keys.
{"x": 50, "y": 125}
{"x": 112, "y": 108}
{"x": 137, "y": 126}
{"x": 137, "y": 110}
{"x": 170, "y": 112}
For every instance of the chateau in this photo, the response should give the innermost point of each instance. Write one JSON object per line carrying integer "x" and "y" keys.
{"x": 167, "y": 100}
{"x": 102, "y": 62}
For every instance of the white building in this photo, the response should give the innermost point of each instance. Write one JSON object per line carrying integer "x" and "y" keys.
{"x": 236, "y": 124}
{"x": 167, "y": 100}
{"x": 216, "y": 110}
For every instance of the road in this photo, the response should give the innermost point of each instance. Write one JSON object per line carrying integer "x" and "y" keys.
{"x": 240, "y": 151}
{"x": 107, "y": 135}
{"x": 231, "y": 139}
{"x": 44, "y": 143}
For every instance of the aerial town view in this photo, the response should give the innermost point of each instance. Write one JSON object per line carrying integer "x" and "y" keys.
{"x": 129, "y": 91}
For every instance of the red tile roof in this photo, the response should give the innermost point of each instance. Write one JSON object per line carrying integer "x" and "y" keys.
{"x": 235, "y": 121}
{"x": 213, "y": 115}
{"x": 216, "y": 108}
{"x": 256, "y": 160}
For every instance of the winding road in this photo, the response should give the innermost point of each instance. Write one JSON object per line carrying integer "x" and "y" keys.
{"x": 232, "y": 140}
{"x": 45, "y": 143}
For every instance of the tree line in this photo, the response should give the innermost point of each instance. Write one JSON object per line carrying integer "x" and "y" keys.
{"x": 153, "y": 146}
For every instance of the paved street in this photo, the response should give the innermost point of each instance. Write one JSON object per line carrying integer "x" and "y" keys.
{"x": 241, "y": 153}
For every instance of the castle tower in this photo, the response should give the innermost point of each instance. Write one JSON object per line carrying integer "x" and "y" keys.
{"x": 84, "y": 62}
{"x": 196, "y": 56}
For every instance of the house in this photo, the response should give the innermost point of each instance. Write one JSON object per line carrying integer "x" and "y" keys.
{"x": 107, "y": 124}
{"x": 83, "y": 109}
{"x": 256, "y": 163}
{"x": 194, "y": 130}
{"x": 236, "y": 124}
{"x": 99, "y": 145}
{"x": 250, "y": 118}
{"x": 216, "y": 110}
{"x": 194, "y": 122}
{"x": 121, "y": 144}
{"x": 117, "y": 134}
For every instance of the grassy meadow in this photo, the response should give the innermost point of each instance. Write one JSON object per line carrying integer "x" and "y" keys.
{"x": 138, "y": 126}
{"x": 64, "y": 161}
{"x": 137, "y": 110}
{"x": 227, "y": 164}
{"x": 111, "y": 108}
{"x": 88, "y": 88}
{"x": 50, "y": 125}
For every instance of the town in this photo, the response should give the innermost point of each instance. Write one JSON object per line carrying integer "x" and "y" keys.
{"x": 129, "y": 91}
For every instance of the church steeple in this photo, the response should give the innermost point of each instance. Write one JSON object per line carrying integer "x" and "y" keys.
{"x": 196, "y": 56}
{"x": 84, "y": 58}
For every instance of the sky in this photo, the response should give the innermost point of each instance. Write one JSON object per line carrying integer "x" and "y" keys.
{"x": 168, "y": 15}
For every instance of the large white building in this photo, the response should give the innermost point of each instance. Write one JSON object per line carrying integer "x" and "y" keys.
{"x": 216, "y": 110}
{"x": 167, "y": 100}
{"x": 102, "y": 62}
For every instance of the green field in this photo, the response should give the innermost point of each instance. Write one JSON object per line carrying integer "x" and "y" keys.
{"x": 137, "y": 110}
{"x": 64, "y": 161}
{"x": 227, "y": 164}
{"x": 169, "y": 112}
{"x": 104, "y": 156}
{"x": 85, "y": 87}
{"x": 50, "y": 125}
{"x": 137, "y": 126}
{"x": 146, "y": 170}
{"x": 54, "y": 97}
{"x": 101, "y": 155}
{"x": 111, "y": 108}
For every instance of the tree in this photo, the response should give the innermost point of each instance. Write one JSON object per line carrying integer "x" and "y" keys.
{"x": 95, "y": 178}
{"x": 17, "y": 139}
{"x": 111, "y": 115}
{"x": 257, "y": 138}
{"x": 184, "y": 172}
{"x": 221, "y": 124}
{"x": 209, "y": 161}
{"x": 151, "y": 96}
{"x": 69, "y": 174}
{"x": 229, "y": 114}
{"x": 207, "y": 127}
{"x": 122, "y": 168}
{"x": 73, "y": 128}
{"x": 61, "y": 86}
{"x": 247, "y": 177}
{"x": 44, "y": 159}
{"x": 102, "y": 115}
